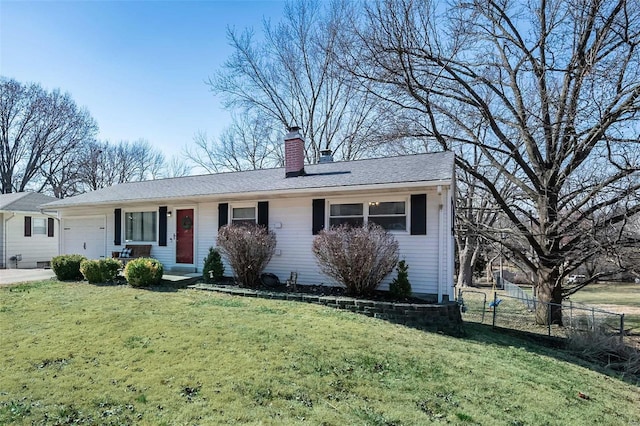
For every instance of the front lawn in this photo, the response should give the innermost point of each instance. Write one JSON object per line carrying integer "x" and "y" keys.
{"x": 79, "y": 353}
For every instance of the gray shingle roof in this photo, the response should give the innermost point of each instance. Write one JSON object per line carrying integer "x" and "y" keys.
{"x": 346, "y": 174}
{"x": 23, "y": 201}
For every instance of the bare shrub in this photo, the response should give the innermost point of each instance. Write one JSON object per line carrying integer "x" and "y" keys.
{"x": 248, "y": 249}
{"x": 357, "y": 257}
{"x": 597, "y": 345}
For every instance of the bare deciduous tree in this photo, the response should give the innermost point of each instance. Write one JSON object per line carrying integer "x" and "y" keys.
{"x": 250, "y": 143}
{"x": 292, "y": 78}
{"x": 558, "y": 84}
{"x": 104, "y": 164}
{"x": 39, "y": 131}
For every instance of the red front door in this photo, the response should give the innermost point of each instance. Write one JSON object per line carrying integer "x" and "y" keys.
{"x": 184, "y": 236}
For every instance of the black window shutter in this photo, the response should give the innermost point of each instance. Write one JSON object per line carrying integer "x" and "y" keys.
{"x": 50, "y": 226}
{"x": 223, "y": 214}
{"x": 317, "y": 217}
{"x": 162, "y": 222}
{"x": 263, "y": 213}
{"x": 27, "y": 226}
{"x": 117, "y": 227}
{"x": 419, "y": 214}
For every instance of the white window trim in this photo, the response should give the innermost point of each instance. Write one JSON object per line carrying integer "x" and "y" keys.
{"x": 253, "y": 205}
{"x": 365, "y": 208}
{"x": 33, "y": 226}
{"x": 141, "y": 210}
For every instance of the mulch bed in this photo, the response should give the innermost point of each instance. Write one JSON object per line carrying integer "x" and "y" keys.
{"x": 325, "y": 290}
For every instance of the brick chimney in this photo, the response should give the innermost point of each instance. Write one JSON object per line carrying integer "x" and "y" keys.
{"x": 294, "y": 153}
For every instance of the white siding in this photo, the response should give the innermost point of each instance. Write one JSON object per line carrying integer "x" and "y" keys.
{"x": 207, "y": 232}
{"x": 2, "y": 242}
{"x": 291, "y": 220}
{"x": 34, "y": 249}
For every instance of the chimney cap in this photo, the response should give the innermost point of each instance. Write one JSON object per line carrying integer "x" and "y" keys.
{"x": 293, "y": 128}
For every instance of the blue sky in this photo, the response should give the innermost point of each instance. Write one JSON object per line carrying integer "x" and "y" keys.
{"x": 139, "y": 67}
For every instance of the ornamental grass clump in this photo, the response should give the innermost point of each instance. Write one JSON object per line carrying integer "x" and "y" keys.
{"x": 100, "y": 271}
{"x": 248, "y": 249}
{"x": 357, "y": 257}
{"x": 67, "y": 266}
{"x": 143, "y": 272}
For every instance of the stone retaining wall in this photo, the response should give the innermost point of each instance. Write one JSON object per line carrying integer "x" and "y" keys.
{"x": 444, "y": 317}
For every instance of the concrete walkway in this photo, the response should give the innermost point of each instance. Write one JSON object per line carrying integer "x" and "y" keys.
{"x": 12, "y": 276}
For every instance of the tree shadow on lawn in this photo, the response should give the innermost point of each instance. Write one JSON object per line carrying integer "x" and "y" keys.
{"x": 165, "y": 286}
{"x": 555, "y": 347}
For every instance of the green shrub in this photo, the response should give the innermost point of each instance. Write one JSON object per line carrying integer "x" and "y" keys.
{"x": 400, "y": 286}
{"x": 67, "y": 267}
{"x": 100, "y": 271}
{"x": 110, "y": 269}
{"x": 213, "y": 270}
{"x": 143, "y": 272}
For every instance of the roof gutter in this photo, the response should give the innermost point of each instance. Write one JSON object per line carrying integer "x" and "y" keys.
{"x": 280, "y": 193}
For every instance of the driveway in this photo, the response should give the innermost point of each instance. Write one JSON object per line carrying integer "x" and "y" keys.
{"x": 12, "y": 276}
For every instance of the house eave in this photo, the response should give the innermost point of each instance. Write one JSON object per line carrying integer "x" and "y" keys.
{"x": 271, "y": 194}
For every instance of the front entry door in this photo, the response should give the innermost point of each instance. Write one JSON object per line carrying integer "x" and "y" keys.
{"x": 184, "y": 236}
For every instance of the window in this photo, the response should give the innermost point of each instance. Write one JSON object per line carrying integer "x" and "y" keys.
{"x": 351, "y": 214}
{"x": 140, "y": 226}
{"x": 39, "y": 226}
{"x": 390, "y": 215}
{"x": 243, "y": 215}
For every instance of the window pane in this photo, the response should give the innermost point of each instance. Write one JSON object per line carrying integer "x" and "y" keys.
{"x": 39, "y": 226}
{"x": 346, "y": 209}
{"x": 390, "y": 223}
{"x": 140, "y": 226}
{"x": 387, "y": 208}
{"x": 243, "y": 222}
{"x": 353, "y": 221}
{"x": 244, "y": 213}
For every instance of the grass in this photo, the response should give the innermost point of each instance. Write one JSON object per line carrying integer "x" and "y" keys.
{"x": 77, "y": 353}
{"x": 626, "y": 294}
{"x": 620, "y": 294}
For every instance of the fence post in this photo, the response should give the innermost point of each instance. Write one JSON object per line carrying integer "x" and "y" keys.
{"x": 593, "y": 319}
{"x": 570, "y": 313}
{"x": 549, "y": 318}
{"x": 621, "y": 327}
{"x": 495, "y": 308}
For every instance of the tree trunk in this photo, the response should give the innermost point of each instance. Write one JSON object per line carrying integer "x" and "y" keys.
{"x": 465, "y": 257}
{"x": 549, "y": 307}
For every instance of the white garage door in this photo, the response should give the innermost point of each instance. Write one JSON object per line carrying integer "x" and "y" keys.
{"x": 85, "y": 236}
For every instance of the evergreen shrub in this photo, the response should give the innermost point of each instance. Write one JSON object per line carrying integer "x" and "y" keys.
{"x": 67, "y": 267}
{"x": 400, "y": 286}
{"x": 213, "y": 270}
{"x": 143, "y": 272}
{"x": 100, "y": 271}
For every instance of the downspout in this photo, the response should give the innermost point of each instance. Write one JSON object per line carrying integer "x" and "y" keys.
{"x": 4, "y": 233}
{"x": 441, "y": 245}
{"x": 445, "y": 244}
{"x": 57, "y": 235}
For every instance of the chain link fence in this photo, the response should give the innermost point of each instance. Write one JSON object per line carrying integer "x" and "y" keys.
{"x": 515, "y": 308}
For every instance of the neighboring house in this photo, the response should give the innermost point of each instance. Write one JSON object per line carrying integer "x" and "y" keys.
{"x": 412, "y": 196}
{"x": 28, "y": 237}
